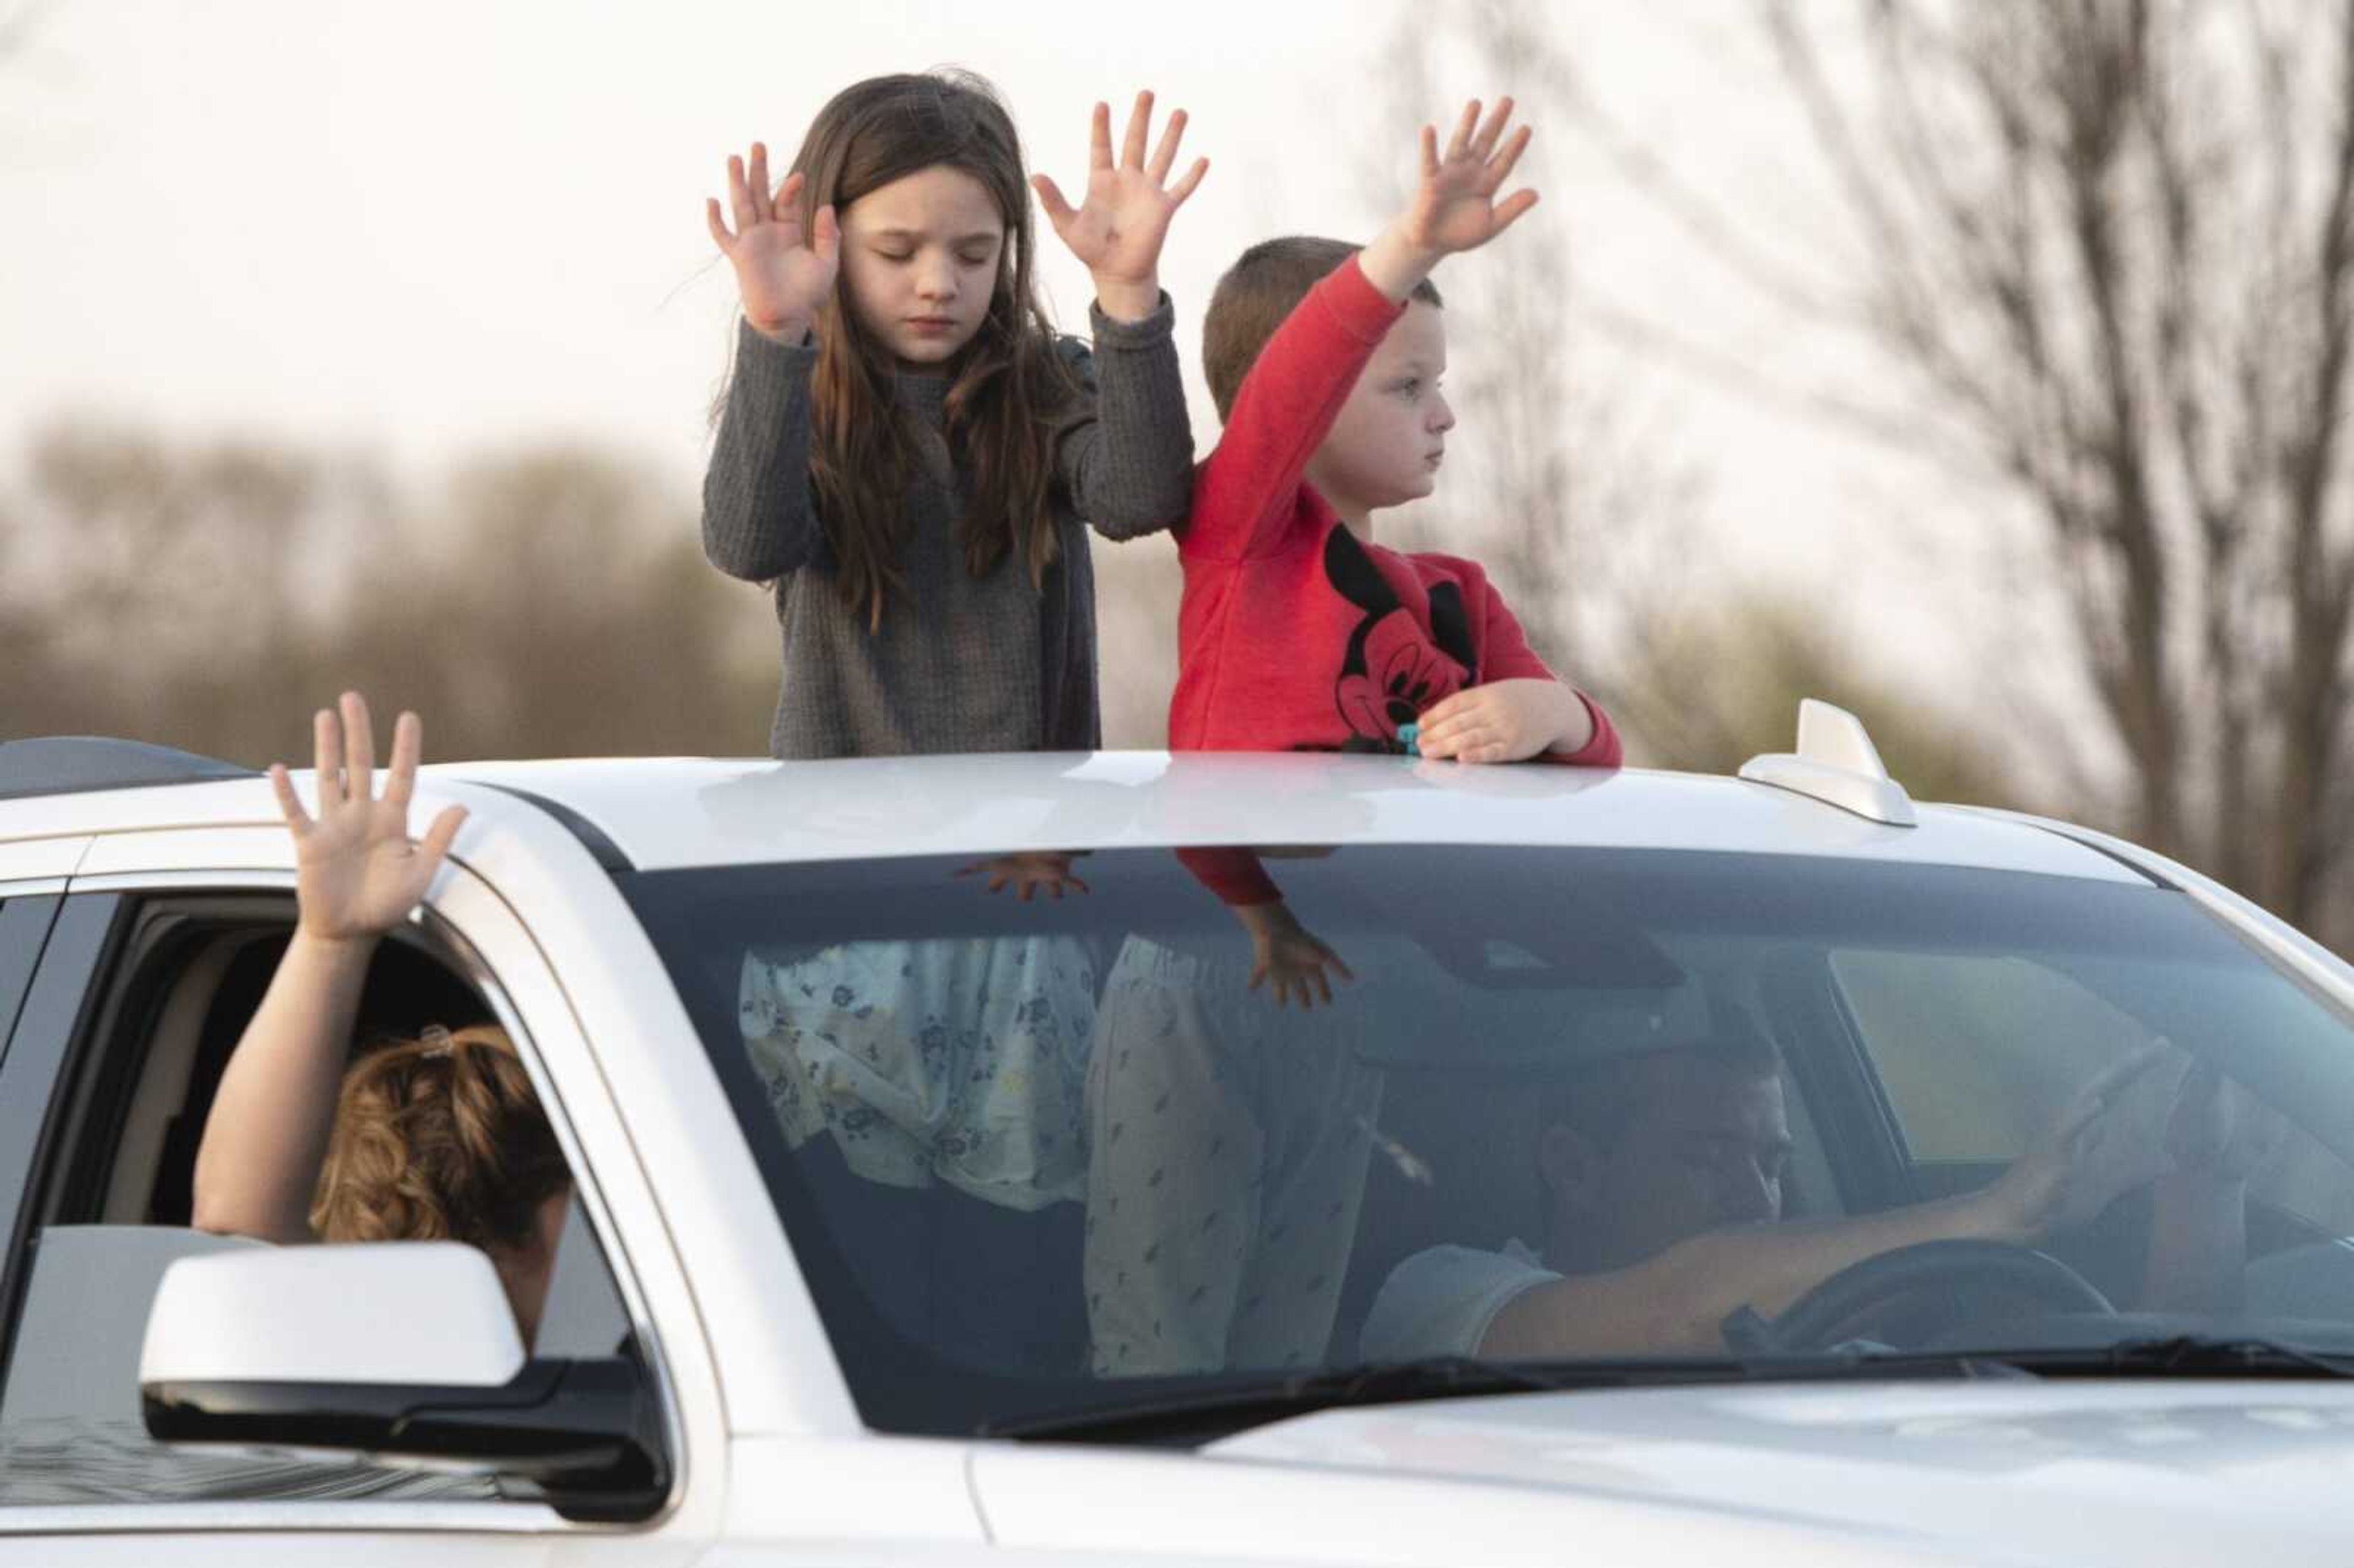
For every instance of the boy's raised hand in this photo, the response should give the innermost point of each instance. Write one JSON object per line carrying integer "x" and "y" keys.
{"x": 1118, "y": 228}
{"x": 1455, "y": 207}
{"x": 357, "y": 874}
{"x": 783, "y": 279}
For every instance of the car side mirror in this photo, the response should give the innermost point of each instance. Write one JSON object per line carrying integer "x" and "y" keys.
{"x": 400, "y": 1350}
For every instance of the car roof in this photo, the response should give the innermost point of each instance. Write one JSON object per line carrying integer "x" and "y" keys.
{"x": 678, "y": 813}
{"x": 653, "y": 814}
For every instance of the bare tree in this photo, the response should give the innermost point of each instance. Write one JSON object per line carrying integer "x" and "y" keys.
{"x": 1515, "y": 497}
{"x": 2112, "y": 244}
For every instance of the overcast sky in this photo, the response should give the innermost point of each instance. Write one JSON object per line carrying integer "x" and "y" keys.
{"x": 436, "y": 228}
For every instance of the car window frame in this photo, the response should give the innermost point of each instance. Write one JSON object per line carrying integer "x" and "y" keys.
{"x": 26, "y": 917}
{"x": 80, "y": 980}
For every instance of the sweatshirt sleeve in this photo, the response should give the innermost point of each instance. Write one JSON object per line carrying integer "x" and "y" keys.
{"x": 1235, "y": 875}
{"x": 1281, "y": 414}
{"x": 1126, "y": 455}
{"x": 759, "y": 520}
{"x": 1602, "y": 751}
{"x": 1505, "y": 655}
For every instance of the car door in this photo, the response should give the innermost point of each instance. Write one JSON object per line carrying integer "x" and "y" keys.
{"x": 80, "y": 1481}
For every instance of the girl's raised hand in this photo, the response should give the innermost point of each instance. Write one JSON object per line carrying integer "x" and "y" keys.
{"x": 1455, "y": 207}
{"x": 1117, "y": 231}
{"x": 357, "y": 874}
{"x": 783, "y": 277}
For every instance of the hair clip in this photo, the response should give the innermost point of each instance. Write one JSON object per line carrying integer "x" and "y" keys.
{"x": 437, "y": 1041}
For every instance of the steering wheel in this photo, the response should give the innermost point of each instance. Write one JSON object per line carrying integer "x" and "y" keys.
{"x": 1860, "y": 1296}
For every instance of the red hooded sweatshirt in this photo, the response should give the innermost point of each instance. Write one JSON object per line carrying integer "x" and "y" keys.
{"x": 1295, "y": 635}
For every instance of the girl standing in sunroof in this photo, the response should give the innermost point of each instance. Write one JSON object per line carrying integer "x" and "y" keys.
{"x": 906, "y": 452}
{"x": 907, "y": 449}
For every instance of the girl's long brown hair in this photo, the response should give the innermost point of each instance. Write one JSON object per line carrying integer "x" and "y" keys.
{"x": 1008, "y": 385}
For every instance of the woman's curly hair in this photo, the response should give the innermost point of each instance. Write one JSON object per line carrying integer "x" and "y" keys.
{"x": 438, "y": 1139}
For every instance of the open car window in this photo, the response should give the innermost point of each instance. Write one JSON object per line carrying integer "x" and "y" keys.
{"x": 1046, "y": 1154}
{"x": 112, "y": 1211}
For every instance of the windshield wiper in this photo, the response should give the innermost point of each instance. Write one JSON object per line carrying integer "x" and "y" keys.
{"x": 2178, "y": 1355}
{"x": 1230, "y": 1406}
{"x": 1196, "y": 1411}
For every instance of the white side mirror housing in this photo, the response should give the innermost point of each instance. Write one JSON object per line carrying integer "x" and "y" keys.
{"x": 417, "y": 1313}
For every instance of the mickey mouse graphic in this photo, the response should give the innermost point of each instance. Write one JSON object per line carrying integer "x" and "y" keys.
{"x": 1391, "y": 673}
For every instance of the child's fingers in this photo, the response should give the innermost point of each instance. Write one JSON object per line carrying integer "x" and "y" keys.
{"x": 1446, "y": 722}
{"x": 1164, "y": 157}
{"x": 1440, "y": 717}
{"x": 788, "y": 191}
{"x": 718, "y": 225}
{"x": 1465, "y": 124}
{"x": 1184, "y": 187}
{"x": 1485, "y": 142}
{"x": 1500, "y": 167}
{"x": 1441, "y": 722}
{"x": 359, "y": 749}
{"x": 755, "y": 177}
{"x": 1509, "y": 210}
{"x": 327, "y": 758}
{"x": 1075, "y": 882}
{"x": 1050, "y": 197}
{"x": 825, "y": 237}
{"x": 740, "y": 194}
{"x": 1140, "y": 126}
{"x": 1430, "y": 151}
{"x": 290, "y": 805}
{"x": 1338, "y": 963}
{"x": 1099, "y": 138}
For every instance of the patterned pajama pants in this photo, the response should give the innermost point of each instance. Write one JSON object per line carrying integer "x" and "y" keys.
{"x": 1229, "y": 1143}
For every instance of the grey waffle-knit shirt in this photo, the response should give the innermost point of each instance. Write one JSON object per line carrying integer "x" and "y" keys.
{"x": 961, "y": 664}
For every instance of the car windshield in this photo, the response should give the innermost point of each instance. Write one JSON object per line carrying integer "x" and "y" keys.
{"x": 1599, "y": 1107}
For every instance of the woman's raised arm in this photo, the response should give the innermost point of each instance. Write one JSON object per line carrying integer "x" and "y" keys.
{"x": 359, "y": 876}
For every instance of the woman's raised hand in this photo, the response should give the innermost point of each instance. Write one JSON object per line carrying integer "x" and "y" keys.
{"x": 1118, "y": 229}
{"x": 782, "y": 275}
{"x": 358, "y": 873}
{"x": 1454, "y": 207}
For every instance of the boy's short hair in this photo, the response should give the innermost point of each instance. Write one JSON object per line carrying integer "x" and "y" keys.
{"x": 1258, "y": 291}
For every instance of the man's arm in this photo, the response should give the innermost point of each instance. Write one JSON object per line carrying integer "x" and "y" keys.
{"x": 1677, "y": 1302}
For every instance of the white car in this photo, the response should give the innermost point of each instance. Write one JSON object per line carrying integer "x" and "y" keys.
{"x": 825, "y": 1297}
